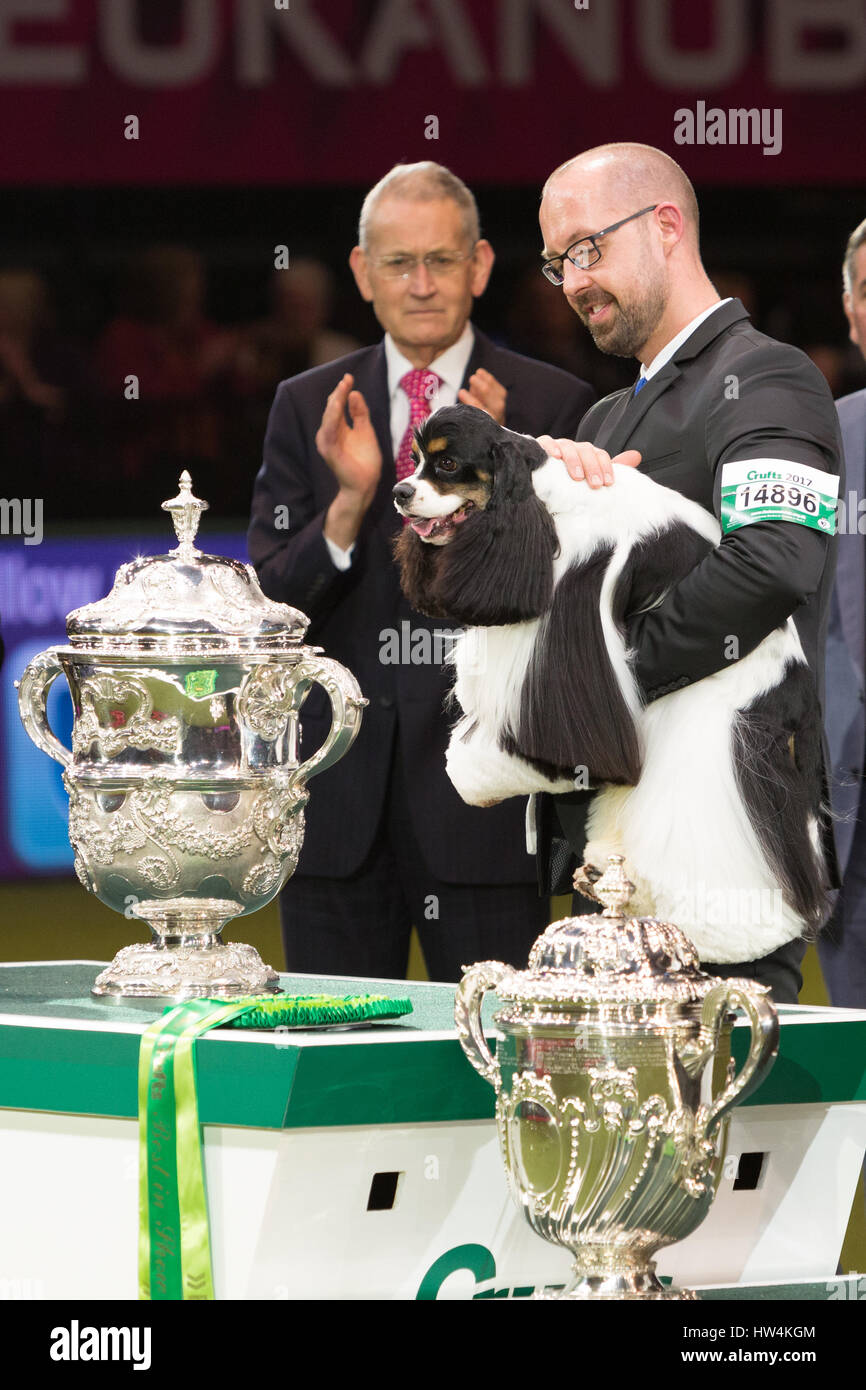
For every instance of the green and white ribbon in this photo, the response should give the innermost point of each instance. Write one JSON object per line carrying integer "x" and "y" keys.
{"x": 174, "y": 1260}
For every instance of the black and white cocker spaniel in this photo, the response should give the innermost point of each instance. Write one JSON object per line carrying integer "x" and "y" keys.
{"x": 712, "y": 793}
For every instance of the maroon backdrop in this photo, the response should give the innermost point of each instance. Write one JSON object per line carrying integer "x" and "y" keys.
{"x": 334, "y": 91}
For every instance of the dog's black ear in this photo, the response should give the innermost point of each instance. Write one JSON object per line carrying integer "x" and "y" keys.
{"x": 498, "y": 566}
{"x": 512, "y": 460}
{"x": 498, "y": 569}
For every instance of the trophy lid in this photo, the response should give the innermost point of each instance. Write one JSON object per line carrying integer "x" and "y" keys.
{"x": 609, "y": 957}
{"x": 185, "y": 601}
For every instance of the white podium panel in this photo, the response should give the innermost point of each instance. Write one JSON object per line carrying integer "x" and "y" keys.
{"x": 290, "y": 1219}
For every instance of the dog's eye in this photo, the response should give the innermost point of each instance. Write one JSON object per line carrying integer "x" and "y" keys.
{"x": 446, "y": 465}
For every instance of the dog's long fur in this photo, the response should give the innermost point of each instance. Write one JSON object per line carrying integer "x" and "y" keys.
{"x": 712, "y": 792}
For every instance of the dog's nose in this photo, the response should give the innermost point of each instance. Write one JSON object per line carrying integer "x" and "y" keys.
{"x": 403, "y": 492}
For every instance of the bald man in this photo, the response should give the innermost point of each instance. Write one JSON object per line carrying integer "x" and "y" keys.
{"x": 620, "y": 228}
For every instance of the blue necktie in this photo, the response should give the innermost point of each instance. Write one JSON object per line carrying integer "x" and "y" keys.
{"x": 639, "y": 384}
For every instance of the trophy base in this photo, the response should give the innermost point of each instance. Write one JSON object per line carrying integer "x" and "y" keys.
{"x": 186, "y": 959}
{"x": 624, "y": 1284}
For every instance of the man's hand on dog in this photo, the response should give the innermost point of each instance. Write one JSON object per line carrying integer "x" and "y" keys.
{"x": 352, "y": 453}
{"x": 585, "y": 462}
{"x": 485, "y": 393}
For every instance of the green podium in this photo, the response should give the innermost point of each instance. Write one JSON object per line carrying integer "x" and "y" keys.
{"x": 363, "y": 1162}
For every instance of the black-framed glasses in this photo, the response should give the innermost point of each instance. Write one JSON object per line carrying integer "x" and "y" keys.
{"x": 585, "y": 252}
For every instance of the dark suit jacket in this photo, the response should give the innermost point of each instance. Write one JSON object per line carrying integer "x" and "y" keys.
{"x": 845, "y": 706}
{"x": 354, "y": 614}
{"x": 728, "y": 393}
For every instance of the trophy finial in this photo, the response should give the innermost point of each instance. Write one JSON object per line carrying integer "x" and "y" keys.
{"x": 613, "y": 888}
{"x": 186, "y": 513}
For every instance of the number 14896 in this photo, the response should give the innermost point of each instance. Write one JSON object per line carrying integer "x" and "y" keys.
{"x": 751, "y": 495}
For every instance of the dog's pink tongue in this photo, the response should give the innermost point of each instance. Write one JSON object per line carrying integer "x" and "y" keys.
{"x": 423, "y": 527}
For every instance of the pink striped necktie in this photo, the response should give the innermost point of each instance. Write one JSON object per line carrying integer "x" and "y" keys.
{"x": 420, "y": 386}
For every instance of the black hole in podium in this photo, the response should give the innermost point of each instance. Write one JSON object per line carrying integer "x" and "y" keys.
{"x": 749, "y": 1170}
{"x": 383, "y": 1190}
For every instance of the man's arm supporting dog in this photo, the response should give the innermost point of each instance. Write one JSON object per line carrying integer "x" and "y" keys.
{"x": 712, "y": 792}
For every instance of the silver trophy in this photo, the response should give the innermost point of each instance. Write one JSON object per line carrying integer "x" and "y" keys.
{"x": 613, "y": 1078}
{"x": 186, "y": 797}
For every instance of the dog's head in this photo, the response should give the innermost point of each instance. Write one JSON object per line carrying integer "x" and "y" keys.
{"x": 465, "y": 462}
{"x": 479, "y": 545}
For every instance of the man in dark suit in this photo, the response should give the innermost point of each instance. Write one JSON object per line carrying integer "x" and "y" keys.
{"x": 388, "y": 841}
{"x": 620, "y": 227}
{"x": 842, "y": 948}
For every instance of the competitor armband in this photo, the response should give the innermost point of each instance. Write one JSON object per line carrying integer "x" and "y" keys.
{"x": 774, "y": 490}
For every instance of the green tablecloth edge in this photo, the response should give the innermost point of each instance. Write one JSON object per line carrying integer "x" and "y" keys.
{"x": 293, "y": 1081}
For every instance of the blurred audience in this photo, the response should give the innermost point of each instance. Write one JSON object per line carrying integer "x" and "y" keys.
{"x": 162, "y": 334}
{"x": 732, "y": 284}
{"x": 540, "y": 324}
{"x": 45, "y": 401}
{"x": 805, "y": 316}
{"x": 292, "y": 338}
{"x": 94, "y": 444}
{"x": 24, "y": 317}
{"x": 171, "y": 414}
{"x": 295, "y": 335}
{"x": 832, "y": 360}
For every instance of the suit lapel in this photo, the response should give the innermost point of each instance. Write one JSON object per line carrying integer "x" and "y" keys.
{"x": 629, "y": 410}
{"x": 487, "y": 355}
{"x": 371, "y": 379}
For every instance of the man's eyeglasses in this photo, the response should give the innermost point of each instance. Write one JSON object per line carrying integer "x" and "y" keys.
{"x": 438, "y": 264}
{"x": 585, "y": 252}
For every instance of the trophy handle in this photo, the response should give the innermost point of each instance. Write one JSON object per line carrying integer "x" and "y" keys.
{"x": 753, "y": 1000}
{"x": 477, "y": 980}
{"x": 33, "y": 688}
{"x": 346, "y": 704}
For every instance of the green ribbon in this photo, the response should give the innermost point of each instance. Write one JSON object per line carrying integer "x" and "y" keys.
{"x": 174, "y": 1260}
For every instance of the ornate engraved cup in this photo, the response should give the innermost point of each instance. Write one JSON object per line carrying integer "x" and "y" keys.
{"x": 186, "y": 795}
{"x": 613, "y": 1080}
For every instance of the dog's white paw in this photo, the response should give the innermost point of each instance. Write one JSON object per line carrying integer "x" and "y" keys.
{"x": 476, "y": 771}
{"x": 483, "y": 774}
